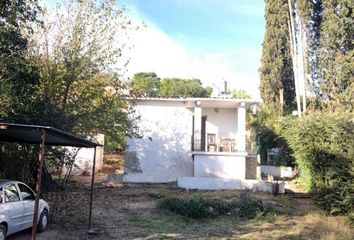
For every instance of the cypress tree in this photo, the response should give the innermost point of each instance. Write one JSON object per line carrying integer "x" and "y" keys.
{"x": 335, "y": 54}
{"x": 277, "y": 78}
{"x": 330, "y": 32}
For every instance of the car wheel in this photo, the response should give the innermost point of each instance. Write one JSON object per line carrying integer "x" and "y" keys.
{"x": 2, "y": 232}
{"x": 43, "y": 221}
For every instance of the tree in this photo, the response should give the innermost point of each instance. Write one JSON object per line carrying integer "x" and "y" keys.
{"x": 77, "y": 55}
{"x": 176, "y": 87}
{"x": 277, "y": 77}
{"x": 329, "y": 31}
{"x": 335, "y": 54}
{"x": 240, "y": 94}
{"x": 18, "y": 77}
{"x": 146, "y": 84}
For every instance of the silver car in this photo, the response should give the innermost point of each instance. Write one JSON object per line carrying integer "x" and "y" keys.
{"x": 17, "y": 208}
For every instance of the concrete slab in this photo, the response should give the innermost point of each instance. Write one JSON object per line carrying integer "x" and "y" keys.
{"x": 226, "y": 184}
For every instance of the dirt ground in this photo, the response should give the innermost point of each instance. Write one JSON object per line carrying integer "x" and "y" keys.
{"x": 127, "y": 211}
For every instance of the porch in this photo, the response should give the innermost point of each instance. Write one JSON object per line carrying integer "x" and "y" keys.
{"x": 219, "y": 125}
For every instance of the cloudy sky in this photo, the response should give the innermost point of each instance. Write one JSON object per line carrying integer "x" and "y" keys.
{"x": 207, "y": 39}
{"x": 212, "y": 40}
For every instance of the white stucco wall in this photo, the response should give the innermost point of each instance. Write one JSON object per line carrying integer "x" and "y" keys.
{"x": 84, "y": 157}
{"x": 227, "y": 184}
{"x": 164, "y": 151}
{"x": 220, "y": 166}
{"x": 276, "y": 171}
{"x": 221, "y": 121}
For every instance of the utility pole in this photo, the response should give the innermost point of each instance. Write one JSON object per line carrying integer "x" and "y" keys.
{"x": 294, "y": 56}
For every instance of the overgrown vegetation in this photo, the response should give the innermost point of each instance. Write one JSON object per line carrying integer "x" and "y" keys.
{"x": 197, "y": 206}
{"x": 323, "y": 145}
{"x": 61, "y": 67}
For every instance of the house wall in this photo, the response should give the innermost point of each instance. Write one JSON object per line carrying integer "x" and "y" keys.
{"x": 164, "y": 151}
{"x": 221, "y": 121}
{"x": 219, "y": 165}
{"x": 84, "y": 158}
{"x": 275, "y": 171}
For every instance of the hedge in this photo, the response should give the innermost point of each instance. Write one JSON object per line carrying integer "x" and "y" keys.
{"x": 323, "y": 146}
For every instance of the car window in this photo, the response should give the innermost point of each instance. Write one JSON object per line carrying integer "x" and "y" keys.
{"x": 26, "y": 192}
{"x": 11, "y": 194}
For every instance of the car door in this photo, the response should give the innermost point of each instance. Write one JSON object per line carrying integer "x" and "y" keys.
{"x": 28, "y": 199}
{"x": 13, "y": 207}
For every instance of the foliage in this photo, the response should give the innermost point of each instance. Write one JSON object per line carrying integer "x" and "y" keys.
{"x": 335, "y": 54}
{"x": 66, "y": 76}
{"x": 240, "y": 94}
{"x": 277, "y": 77}
{"x": 264, "y": 127}
{"x": 201, "y": 207}
{"x": 323, "y": 145}
{"x": 77, "y": 53}
{"x": 149, "y": 84}
{"x": 330, "y": 32}
{"x": 176, "y": 87}
{"x": 146, "y": 84}
{"x": 18, "y": 76}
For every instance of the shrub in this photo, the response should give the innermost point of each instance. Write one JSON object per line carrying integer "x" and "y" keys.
{"x": 194, "y": 207}
{"x": 200, "y": 207}
{"x": 323, "y": 145}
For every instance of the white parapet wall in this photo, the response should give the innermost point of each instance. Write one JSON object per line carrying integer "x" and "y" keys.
{"x": 220, "y": 165}
{"x": 275, "y": 171}
{"x": 227, "y": 184}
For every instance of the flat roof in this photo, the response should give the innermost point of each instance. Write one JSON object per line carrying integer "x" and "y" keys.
{"x": 22, "y": 133}
{"x": 204, "y": 102}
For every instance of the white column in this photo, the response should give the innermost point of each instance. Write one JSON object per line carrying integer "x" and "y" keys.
{"x": 241, "y": 127}
{"x": 197, "y": 126}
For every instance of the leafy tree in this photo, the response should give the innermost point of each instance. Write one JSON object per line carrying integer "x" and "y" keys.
{"x": 240, "y": 94}
{"x": 176, "y": 87}
{"x": 18, "y": 77}
{"x": 146, "y": 84}
{"x": 77, "y": 54}
{"x": 277, "y": 78}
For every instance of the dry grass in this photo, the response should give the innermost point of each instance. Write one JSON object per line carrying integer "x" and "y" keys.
{"x": 128, "y": 212}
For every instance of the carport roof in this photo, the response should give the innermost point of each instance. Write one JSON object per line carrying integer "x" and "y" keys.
{"x": 31, "y": 134}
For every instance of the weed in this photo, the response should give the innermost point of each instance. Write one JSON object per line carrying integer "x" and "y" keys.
{"x": 198, "y": 206}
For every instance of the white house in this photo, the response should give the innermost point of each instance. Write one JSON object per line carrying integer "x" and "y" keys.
{"x": 198, "y": 142}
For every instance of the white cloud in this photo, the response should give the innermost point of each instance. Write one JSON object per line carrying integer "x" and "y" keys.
{"x": 155, "y": 51}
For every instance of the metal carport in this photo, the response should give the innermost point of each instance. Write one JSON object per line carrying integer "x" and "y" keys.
{"x": 44, "y": 135}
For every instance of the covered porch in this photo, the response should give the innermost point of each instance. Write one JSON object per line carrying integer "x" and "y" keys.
{"x": 220, "y": 158}
{"x": 219, "y": 125}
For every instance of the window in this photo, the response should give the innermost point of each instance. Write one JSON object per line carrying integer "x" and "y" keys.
{"x": 11, "y": 194}
{"x": 26, "y": 192}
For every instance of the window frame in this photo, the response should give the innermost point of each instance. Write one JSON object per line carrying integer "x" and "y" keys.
{"x": 18, "y": 194}
{"x": 30, "y": 189}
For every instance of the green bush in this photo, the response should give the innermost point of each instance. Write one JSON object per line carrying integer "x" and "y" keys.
{"x": 194, "y": 207}
{"x": 200, "y": 207}
{"x": 323, "y": 146}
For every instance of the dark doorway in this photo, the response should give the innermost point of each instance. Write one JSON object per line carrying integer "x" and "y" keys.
{"x": 202, "y": 138}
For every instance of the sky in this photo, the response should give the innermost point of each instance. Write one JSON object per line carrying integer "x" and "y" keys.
{"x": 212, "y": 40}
